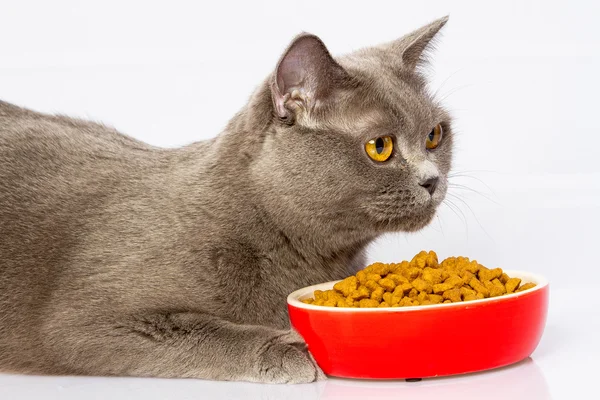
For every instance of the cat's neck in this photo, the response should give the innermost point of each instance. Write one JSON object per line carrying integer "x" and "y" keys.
{"x": 223, "y": 174}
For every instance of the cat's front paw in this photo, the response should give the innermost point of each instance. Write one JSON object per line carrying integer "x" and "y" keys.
{"x": 286, "y": 360}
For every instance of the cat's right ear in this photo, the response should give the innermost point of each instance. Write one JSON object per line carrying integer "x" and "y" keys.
{"x": 306, "y": 76}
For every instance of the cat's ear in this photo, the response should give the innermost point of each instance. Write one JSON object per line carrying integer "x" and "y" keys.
{"x": 305, "y": 75}
{"x": 413, "y": 46}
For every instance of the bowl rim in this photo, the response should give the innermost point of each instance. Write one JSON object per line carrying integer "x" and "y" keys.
{"x": 293, "y": 298}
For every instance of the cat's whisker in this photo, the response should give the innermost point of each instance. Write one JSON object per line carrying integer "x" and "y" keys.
{"x": 468, "y": 171}
{"x": 463, "y": 187}
{"x": 465, "y": 174}
{"x": 472, "y": 212}
{"x": 439, "y": 218}
{"x": 439, "y": 224}
{"x": 453, "y": 207}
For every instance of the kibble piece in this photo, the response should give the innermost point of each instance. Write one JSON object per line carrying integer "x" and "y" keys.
{"x": 407, "y": 302}
{"x": 455, "y": 281}
{"x": 419, "y": 261}
{"x": 319, "y": 295}
{"x": 399, "y": 267}
{"x": 422, "y": 296}
{"x": 461, "y": 263}
{"x": 396, "y": 299}
{"x": 496, "y": 273}
{"x": 447, "y": 301}
{"x": 342, "y": 303}
{"x": 422, "y": 285}
{"x": 442, "y": 287}
{"x": 361, "y": 293}
{"x": 489, "y": 274}
{"x": 377, "y": 294}
{"x": 504, "y": 278}
{"x": 495, "y": 291}
{"x": 362, "y": 277}
{"x": 431, "y": 275}
{"x": 466, "y": 275}
{"x": 387, "y": 284}
{"x": 405, "y": 288}
{"x": 397, "y": 279}
{"x": 347, "y": 286}
{"x": 472, "y": 267}
{"x": 308, "y": 301}
{"x": 466, "y": 292}
{"x": 387, "y": 297}
{"x": 470, "y": 297}
{"x": 399, "y": 292}
{"x": 372, "y": 285}
{"x": 379, "y": 269}
{"x": 526, "y": 286}
{"x": 373, "y": 277}
{"x": 383, "y": 304}
{"x": 368, "y": 303}
{"x": 445, "y": 275}
{"x": 479, "y": 287}
{"x": 331, "y": 295}
{"x": 413, "y": 293}
{"x": 318, "y": 302}
{"x": 449, "y": 263}
{"x": 432, "y": 260}
{"x": 411, "y": 273}
{"x": 512, "y": 284}
{"x": 435, "y": 298}
{"x": 452, "y": 295}
{"x": 496, "y": 282}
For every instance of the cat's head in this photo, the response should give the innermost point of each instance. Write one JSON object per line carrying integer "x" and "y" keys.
{"x": 356, "y": 141}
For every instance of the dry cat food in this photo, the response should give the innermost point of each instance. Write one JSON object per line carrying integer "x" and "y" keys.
{"x": 422, "y": 281}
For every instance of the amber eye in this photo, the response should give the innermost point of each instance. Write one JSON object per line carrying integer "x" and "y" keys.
{"x": 380, "y": 149}
{"x": 435, "y": 137}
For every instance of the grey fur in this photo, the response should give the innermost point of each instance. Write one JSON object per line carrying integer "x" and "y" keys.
{"x": 119, "y": 258}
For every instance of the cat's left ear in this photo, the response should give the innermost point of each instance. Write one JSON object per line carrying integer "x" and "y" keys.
{"x": 305, "y": 75}
{"x": 413, "y": 46}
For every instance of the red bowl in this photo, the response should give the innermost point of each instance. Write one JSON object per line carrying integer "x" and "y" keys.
{"x": 422, "y": 341}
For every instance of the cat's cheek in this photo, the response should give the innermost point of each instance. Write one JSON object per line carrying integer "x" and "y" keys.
{"x": 440, "y": 194}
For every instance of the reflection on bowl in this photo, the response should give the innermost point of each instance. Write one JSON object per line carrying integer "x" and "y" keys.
{"x": 422, "y": 341}
{"x": 522, "y": 381}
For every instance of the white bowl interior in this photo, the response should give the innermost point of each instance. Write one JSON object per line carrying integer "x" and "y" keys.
{"x": 304, "y": 293}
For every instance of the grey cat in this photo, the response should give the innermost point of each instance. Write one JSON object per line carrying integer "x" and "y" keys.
{"x": 120, "y": 258}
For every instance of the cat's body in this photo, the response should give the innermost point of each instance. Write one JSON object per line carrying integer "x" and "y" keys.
{"x": 119, "y": 258}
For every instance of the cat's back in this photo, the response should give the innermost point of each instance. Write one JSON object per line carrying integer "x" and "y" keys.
{"x": 47, "y": 158}
{"x": 40, "y": 136}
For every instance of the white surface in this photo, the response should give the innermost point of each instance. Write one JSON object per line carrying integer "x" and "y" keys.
{"x": 521, "y": 78}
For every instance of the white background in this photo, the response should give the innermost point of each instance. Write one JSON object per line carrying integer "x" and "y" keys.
{"x": 520, "y": 77}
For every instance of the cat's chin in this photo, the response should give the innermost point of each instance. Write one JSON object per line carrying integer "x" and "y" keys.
{"x": 408, "y": 223}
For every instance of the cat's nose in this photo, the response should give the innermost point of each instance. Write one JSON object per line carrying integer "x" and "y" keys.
{"x": 430, "y": 184}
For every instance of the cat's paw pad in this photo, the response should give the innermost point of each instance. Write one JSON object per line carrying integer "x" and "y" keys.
{"x": 286, "y": 360}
